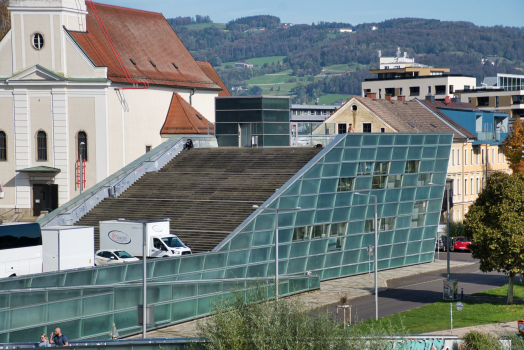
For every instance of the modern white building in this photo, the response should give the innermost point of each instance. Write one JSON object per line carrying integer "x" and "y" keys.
{"x": 104, "y": 87}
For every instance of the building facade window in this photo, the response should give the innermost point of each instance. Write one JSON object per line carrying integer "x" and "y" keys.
{"x": 458, "y": 156}
{"x": 471, "y": 156}
{"x": 465, "y": 187}
{"x": 3, "y": 146}
{"x": 493, "y": 156}
{"x": 482, "y": 157}
{"x": 366, "y": 127}
{"x": 471, "y": 184}
{"x": 41, "y": 146}
{"x": 82, "y": 145}
{"x": 38, "y": 41}
{"x": 414, "y": 90}
{"x": 465, "y": 157}
{"x": 453, "y": 156}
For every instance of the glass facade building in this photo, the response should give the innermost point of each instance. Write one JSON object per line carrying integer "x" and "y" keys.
{"x": 252, "y": 121}
{"x": 328, "y": 236}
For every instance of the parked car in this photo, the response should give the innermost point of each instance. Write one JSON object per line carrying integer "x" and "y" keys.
{"x": 461, "y": 243}
{"x": 442, "y": 243}
{"x": 113, "y": 256}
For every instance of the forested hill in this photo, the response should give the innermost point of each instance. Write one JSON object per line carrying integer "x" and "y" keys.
{"x": 460, "y": 46}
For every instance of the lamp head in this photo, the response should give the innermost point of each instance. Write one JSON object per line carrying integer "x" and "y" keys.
{"x": 255, "y": 206}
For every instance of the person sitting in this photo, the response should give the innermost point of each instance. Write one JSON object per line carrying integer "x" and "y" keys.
{"x": 44, "y": 342}
{"x": 189, "y": 144}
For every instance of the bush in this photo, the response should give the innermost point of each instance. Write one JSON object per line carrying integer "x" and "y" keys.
{"x": 480, "y": 341}
{"x": 249, "y": 320}
{"x": 456, "y": 228}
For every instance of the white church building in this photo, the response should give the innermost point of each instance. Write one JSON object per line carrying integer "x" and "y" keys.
{"x": 94, "y": 80}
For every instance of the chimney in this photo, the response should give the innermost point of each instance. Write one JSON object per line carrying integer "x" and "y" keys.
{"x": 401, "y": 98}
{"x": 372, "y": 95}
{"x": 430, "y": 98}
{"x": 456, "y": 100}
{"x": 388, "y": 97}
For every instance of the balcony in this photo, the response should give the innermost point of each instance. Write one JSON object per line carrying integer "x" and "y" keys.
{"x": 491, "y": 136}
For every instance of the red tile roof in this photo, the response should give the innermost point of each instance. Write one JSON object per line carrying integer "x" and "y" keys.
{"x": 213, "y": 75}
{"x": 433, "y": 106}
{"x": 142, "y": 36}
{"x": 182, "y": 118}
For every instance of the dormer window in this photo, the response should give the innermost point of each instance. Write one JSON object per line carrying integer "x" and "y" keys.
{"x": 38, "y": 41}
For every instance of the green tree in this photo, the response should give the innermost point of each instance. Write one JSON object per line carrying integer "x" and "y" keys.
{"x": 5, "y": 18}
{"x": 512, "y": 146}
{"x": 495, "y": 226}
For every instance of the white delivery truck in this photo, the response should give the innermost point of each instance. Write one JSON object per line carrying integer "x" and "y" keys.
{"x": 129, "y": 235}
{"x": 68, "y": 247}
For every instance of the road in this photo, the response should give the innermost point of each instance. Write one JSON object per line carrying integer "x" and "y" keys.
{"x": 411, "y": 292}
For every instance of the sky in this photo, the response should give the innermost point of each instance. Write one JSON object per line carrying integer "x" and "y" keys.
{"x": 480, "y": 12}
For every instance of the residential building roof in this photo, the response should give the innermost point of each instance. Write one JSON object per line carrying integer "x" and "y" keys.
{"x": 146, "y": 39}
{"x": 408, "y": 117}
{"x": 490, "y": 81}
{"x": 182, "y": 118}
{"x": 435, "y": 107}
{"x": 213, "y": 75}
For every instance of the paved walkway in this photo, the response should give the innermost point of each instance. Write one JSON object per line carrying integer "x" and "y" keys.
{"x": 493, "y": 328}
{"x": 329, "y": 293}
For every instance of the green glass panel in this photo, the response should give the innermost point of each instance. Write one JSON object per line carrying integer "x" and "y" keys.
{"x": 318, "y": 247}
{"x": 239, "y": 241}
{"x": 390, "y": 209}
{"x": 323, "y": 216}
{"x": 418, "y": 220}
{"x": 135, "y": 271}
{"x": 63, "y": 310}
{"x": 408, "y": 194}
{"x": 288, "y": 202}
{"x": 353, "y": 242}
{"x": 392, "y": 195}
{"x": 368, "y": 154}
{"x": 386, "y": 140}
{"x": 47, "y": 281}
{"x": 358, "y": 213}
{"x": 370, "y": 140}
{"x": 402, "y": 139}
{"x": 385, "y": 153}
{"x": 381, "y": 196}
{"x": 349, "y": 270}
{"x": 190, "y": 277}
{"x": 401, "y": 236}
{"x": 427, "y": 166}
{"x": 225, "y": 246}
{"x": 216, "y": 274}
{"x": 328, "y": 185}
{"x": 209, "y": 288}
{"x": 98, "y": 304}
{"x": 238, "y": 272}
{"x": 238, "y": 258}
{"x": 296, "y": 265}
{"x": 31, "y": 334}
{"x": 334, "y": 259}
{"x": 263, "y": 222}
{"x": 439, "y": 179}
{"x": 162, "y": 313}
{"x": 331, "y": 273}
{"x": 304, "y": 218}
{"x": 343, "y": 199}
{"x": 315, "y": 262}
{"x": 348, "y": 169}
{"x": 326, "y": 201}
{"x": 205, "y": 305}
{"x": 368, "y": 239}
{"x": 163, "y": 267}
{"x": 259, "y": 255}
{"x": 331, "y": 170}
{"x": 432, "y": 219}
{"x": 125, "y": 319}
{"x": 398, "y": 250}
{"x": 384, "y": 252}
{"x": 428, "y": 245}
{"x": 414, "y": 248}
{"x": 310, "y": 186}
{"x": 98, "y": 325}
{"x": 250, "y": 226}
{"x": 415, "y": 234}
{"x": 356, "y": 227}
{"x": 430, "y": 232}
{"x": 351, "y": 154}
{"x": 446, "y": 139}
{"x": 397, "y": 262}
{"x": 353, "y": 140}
{"x": 363, "y": 183}
{"x": 417, "y": 140}
{"x": 443, "y": 152}
{"x": 286, "y": 219}
{"x": 410, "y": 180}
{"x": 397, "y": 167}
{"x": 215, "y": 261}
{"x": 399, "y": 153}
{"x": 195, "y": 263}
{"x": 431, "y": 140}
{"x": 385, "y": 238}
{"x": 285, "y": 235}
{"x": 259, "y": 270}
{"x": 429, "y": 152}
{"x": 314, "y": 172}
{"x": 183, "y": 310}
{"x": 340, "y": 214}
{"x": 299, "y": 249}
{"x": 437, "y": 192}
{"x": 19, "y": 299}
{"x": 79, "y": 278}
{"x": 364, "y": 256}
{"x": 293, "y": 189}
{"x": 424, "y": 179}
{"x": 415, "y": 153}
{"x": 405, "y": 208}
{"x": 334, "y": 155}
{"x": 29, "y": 315}
{"x": 126, "y": 297}
{"x": 262, "y": 238}
{"x": 441, "y": 165}
{"x": 64, "y": 294}
{"x": 274, "y": 204}
{"x": 403, "y": 222}
{"x": 422, "y": 193}
{"x": 308, "y": 202}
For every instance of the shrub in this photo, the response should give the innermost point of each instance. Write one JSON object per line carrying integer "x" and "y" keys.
{"x": 480, "y": 341}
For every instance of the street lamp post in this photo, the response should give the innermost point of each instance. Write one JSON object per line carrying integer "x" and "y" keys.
{"x": 276, "y": 210}
{"x": 376, "y": 258}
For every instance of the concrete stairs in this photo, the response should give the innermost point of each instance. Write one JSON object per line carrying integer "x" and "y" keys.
{"x": 206, "y": 192}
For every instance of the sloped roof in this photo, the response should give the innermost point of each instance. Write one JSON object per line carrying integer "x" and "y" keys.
{"x": 213, "y": 75}
{"x": 434, "y": 106}
{"x": 409, "y": 117}
{"x": 182, "y": 118}
{"x": 142, "y": 36}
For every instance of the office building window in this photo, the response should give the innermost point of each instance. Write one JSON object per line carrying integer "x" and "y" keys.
{"x": 414, "y": 90}
{"x": 41, "y": 144}
{"x": 483, "y": 101}
{"x": 366, "y": 127}
{"x": 82, "y": 145}
{"x": 440, "y": 89}
{"x": 3, "y": 146}
{"x": 429, "y": 90}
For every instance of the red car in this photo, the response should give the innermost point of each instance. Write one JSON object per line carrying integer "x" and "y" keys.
{"x": 461, "y": 243}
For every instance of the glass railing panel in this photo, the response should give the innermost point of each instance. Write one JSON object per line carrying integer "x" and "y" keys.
{"x": 97, "y": 304}
{"x": 64, "y": 310}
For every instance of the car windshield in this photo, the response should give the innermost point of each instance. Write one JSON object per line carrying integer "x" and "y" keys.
{"x": 173, "y": 242}
{"x": 461, "y": 239}
{"x": 123, "y": 254}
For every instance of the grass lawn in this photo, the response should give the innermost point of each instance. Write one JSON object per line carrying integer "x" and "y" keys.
{"x": 435, "y": 317}
{"x": 258, "y": 61}
{"x": 206, "y": 25}
{"x": 285, "y": 89}
{"x": 518, "y": 291}
{"x": 331, "y": 35}
{"x": 268, "y": 79}
{"x": 330, "y": 98}
{"x": 336, "y": 68}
